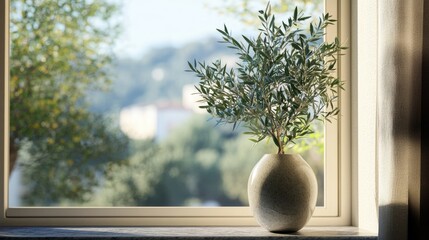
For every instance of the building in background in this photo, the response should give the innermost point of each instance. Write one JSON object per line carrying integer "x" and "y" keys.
{"x": 156, "y": 121}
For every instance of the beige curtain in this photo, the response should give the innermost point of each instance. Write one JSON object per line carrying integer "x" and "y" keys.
{"x": 400, "y": 39}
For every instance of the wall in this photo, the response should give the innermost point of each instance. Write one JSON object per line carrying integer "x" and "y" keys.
{"x": 364, "y": 92}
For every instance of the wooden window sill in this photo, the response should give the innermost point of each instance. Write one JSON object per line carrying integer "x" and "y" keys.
{"x": 205, "y": 233}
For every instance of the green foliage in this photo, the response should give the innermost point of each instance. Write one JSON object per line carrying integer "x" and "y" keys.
{"x": 236, "y": 164}
{"x": 67, "y": 173}
{"x": 244, "y": 9}
{"x": 132, "y": 183}
{"x": 282, "y": 83}
{"x": 183, "y": 169}
{"x": 57, "y": 55}
{"x": 60, "y": 50}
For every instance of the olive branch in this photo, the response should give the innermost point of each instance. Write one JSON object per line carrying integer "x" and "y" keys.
{"x": 282, "y": 83}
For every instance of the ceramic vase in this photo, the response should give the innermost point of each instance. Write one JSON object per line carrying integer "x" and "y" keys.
{"x": 282, "y": 191}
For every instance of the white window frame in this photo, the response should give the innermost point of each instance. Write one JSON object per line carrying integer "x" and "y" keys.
{"x": 337, "y": 209}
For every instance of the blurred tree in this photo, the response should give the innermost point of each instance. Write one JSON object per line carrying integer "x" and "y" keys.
{"x": 60, "y": 50}
{"x": 245, "y": 9}
{"x": 183, "y": 169}
{"x": 132, "y": 183}
{"x": 192, "y": 173}
{"x": 239, "y": 158}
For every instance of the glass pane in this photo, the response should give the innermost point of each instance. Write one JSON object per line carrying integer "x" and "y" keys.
{"x": 103, "y": 112}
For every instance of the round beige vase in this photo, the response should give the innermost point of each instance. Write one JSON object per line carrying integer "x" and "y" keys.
{"x": 282, "y": 191}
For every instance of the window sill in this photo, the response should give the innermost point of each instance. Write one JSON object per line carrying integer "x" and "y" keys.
{"x": 40, "y": 233}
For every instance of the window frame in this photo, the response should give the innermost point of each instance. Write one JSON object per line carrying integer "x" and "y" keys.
{"x": 337, "y": 209}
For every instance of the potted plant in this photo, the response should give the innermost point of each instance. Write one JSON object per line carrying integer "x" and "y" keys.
{"x": 282, "y": 83}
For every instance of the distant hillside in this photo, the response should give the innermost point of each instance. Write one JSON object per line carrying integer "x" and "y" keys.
{"x": 158, "y": 75}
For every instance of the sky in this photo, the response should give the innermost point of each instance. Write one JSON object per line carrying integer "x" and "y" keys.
{"x": 156, "y": 23}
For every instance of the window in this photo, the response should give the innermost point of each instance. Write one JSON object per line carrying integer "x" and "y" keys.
{"x": 336, "y": 200}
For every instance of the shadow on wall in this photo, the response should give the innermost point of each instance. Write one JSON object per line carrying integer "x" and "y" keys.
{"x": 399, "y": 115}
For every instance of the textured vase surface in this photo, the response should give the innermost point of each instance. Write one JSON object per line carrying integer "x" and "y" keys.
{"x": 282, "y": 191}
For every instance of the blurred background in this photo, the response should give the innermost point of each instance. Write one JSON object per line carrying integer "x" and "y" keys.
{"x": 102, "y": 112}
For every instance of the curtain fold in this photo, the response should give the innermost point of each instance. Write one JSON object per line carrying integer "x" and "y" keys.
{"x": 400, "y": 38}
